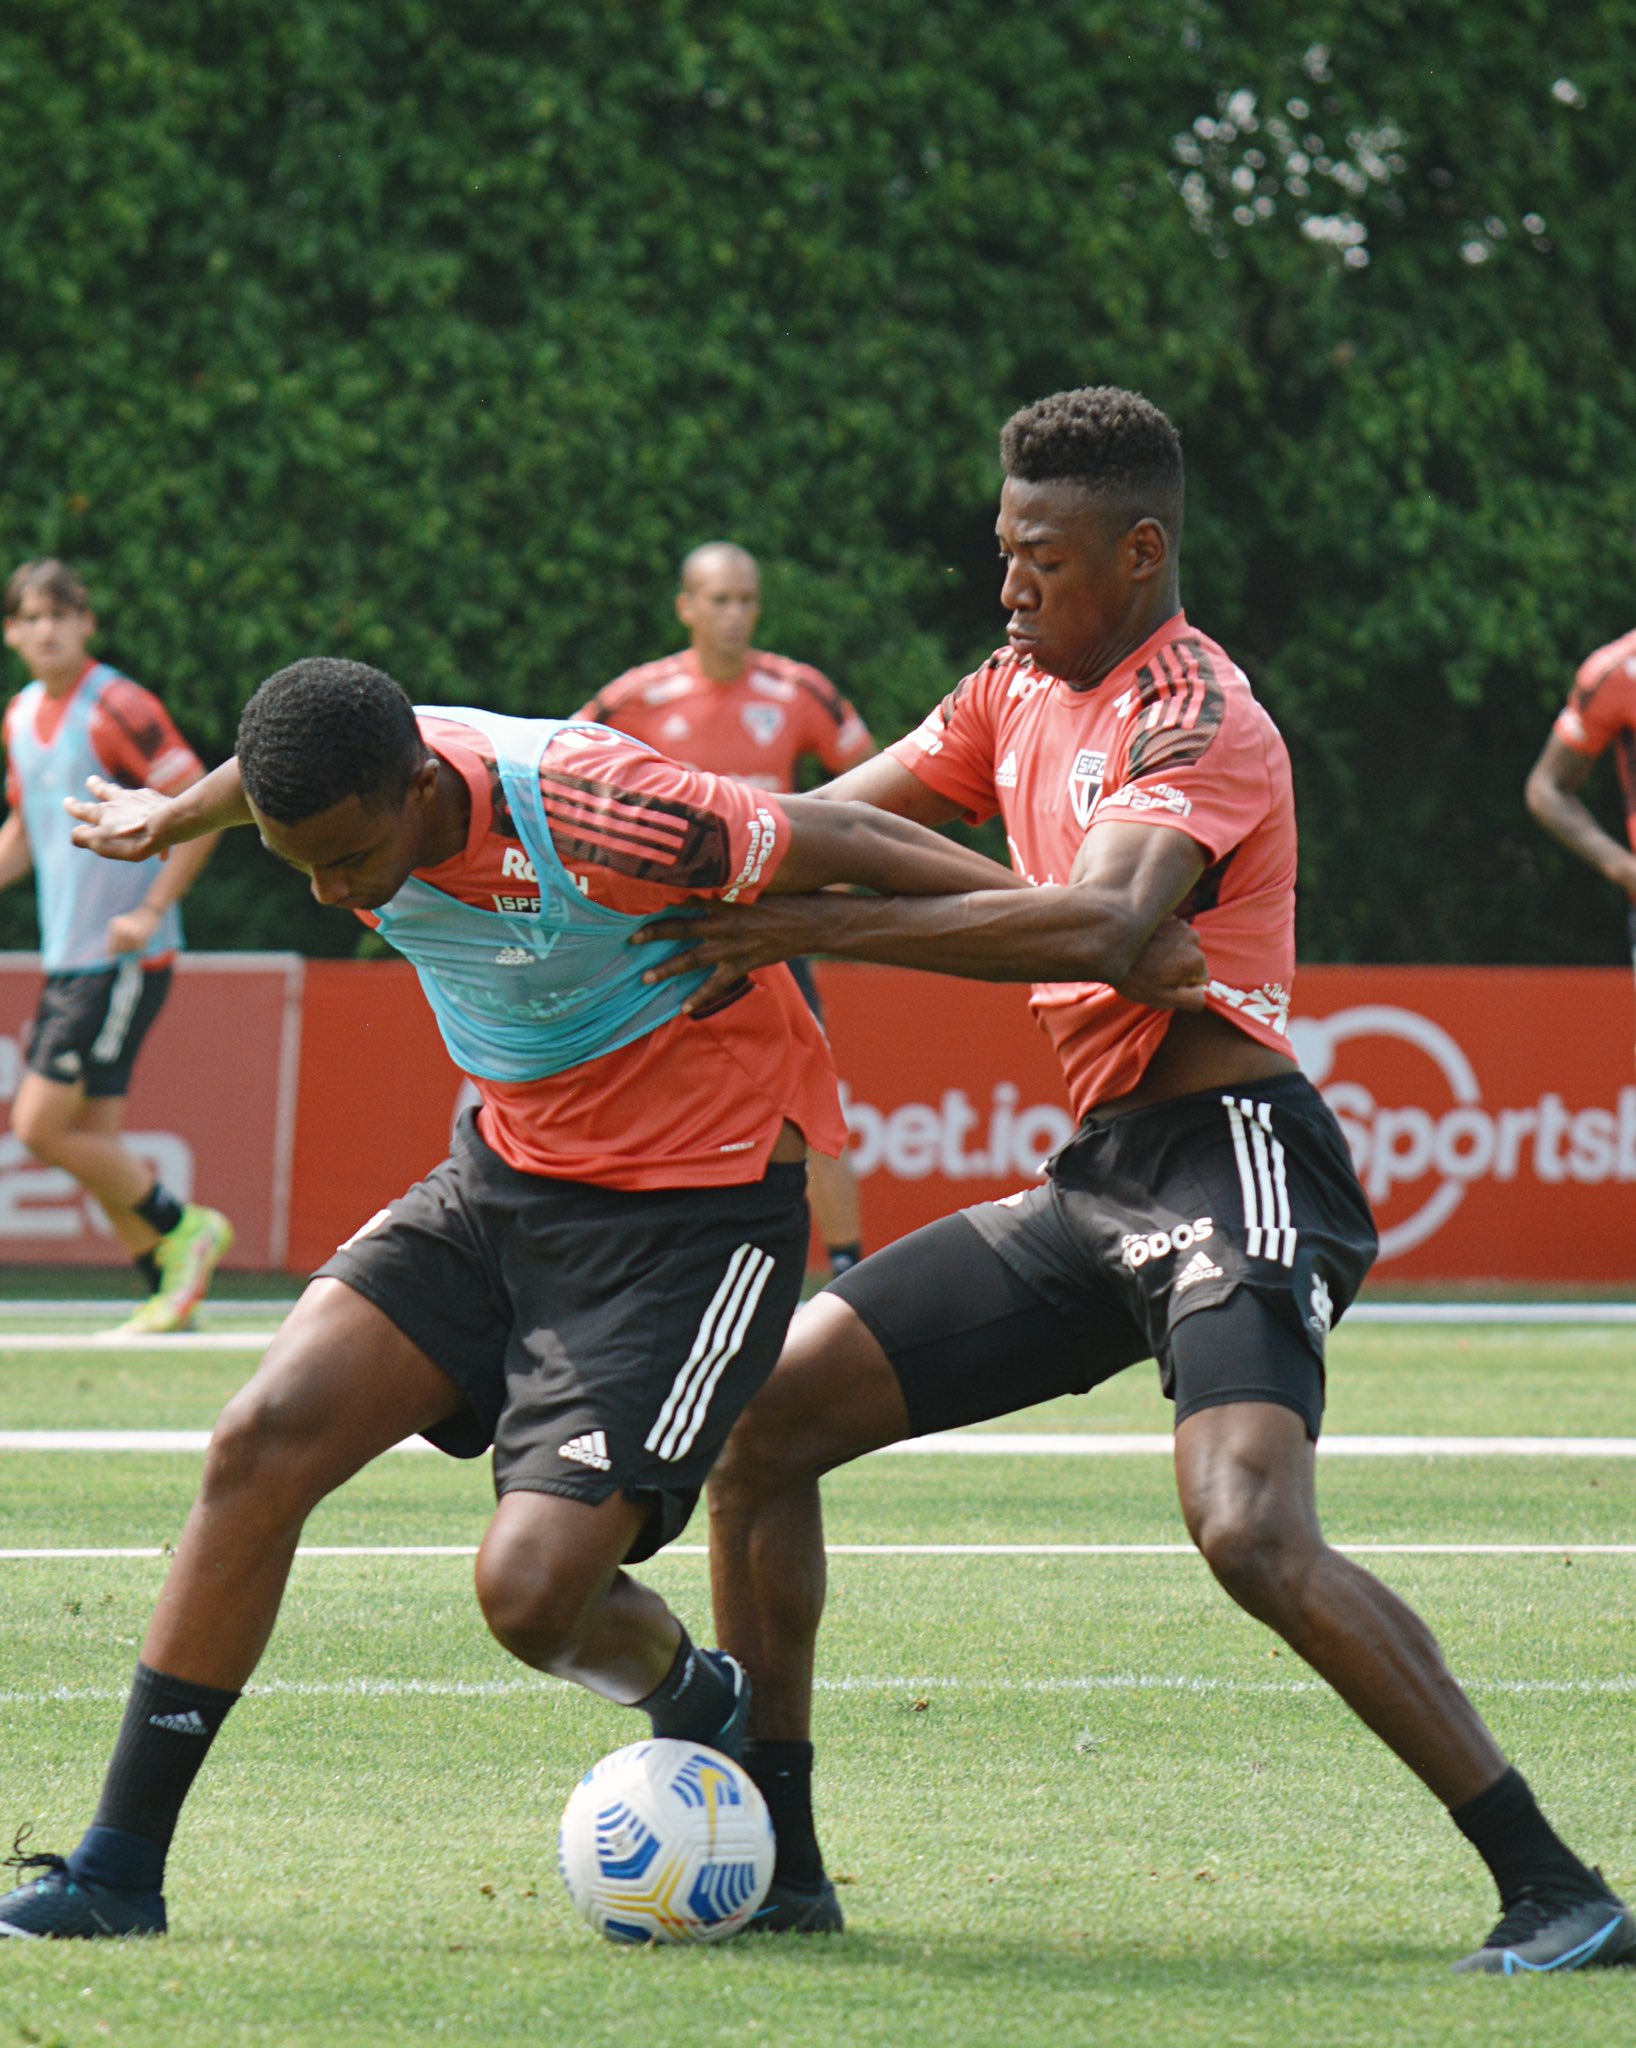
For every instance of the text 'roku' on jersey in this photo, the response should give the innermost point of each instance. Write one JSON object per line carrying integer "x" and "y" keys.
{"x": 1172, "y": 738}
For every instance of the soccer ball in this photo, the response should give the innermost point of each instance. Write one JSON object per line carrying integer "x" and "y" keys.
{"x": 666, "y": 1841}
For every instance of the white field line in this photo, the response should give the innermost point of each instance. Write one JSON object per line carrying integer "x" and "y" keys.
{"x": 558, "y": 1691}
{"x": 966, "y": 1444}
{"x": 45, "y": 1554}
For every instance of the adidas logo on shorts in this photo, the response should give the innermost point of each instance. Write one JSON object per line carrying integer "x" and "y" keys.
{"x": 1199, "y": 1267}
{"x": 590, "y": 1449}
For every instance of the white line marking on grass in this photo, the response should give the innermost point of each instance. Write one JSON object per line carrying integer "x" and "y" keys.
{"x": 105, "y": 1340}
{"x": 536, "y": 1688}
{"x": 962, "y": 1444}
{"x": 68, "y": 1554}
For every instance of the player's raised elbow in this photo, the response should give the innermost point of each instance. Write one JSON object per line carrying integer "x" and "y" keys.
{"x": 1541, "y": 794}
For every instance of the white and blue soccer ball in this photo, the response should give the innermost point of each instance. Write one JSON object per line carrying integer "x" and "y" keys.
{"x": 666, "y": 1842}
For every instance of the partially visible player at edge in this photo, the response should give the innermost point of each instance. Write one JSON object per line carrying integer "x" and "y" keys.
{"x": 1205, "y": 1213}
{"x": 721, "y": 703}
{"x": 108, "y": 935}
{"x": 1600, "y": 713}
{"x": 594, "y": 1282}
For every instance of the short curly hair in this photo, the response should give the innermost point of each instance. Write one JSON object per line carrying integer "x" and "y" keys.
{"x": 1114, "y": 443}
{"x": 322, "y": 730}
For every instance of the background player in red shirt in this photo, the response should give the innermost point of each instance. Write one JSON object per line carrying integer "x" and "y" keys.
{"x": 723, "y": 704}
{"x": 1206, "y": 1212}
{"x": 1599, "y": 714}
{"x": 107, "y": 935}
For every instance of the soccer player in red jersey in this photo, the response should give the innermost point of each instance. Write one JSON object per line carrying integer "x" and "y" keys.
{"x": 593, "y": 1283}
{"x": 108, "y": 936}
{"x": 1206, "y": 1213}
{"x": 1600, "y": 713}
{"x": 722, "y": 704}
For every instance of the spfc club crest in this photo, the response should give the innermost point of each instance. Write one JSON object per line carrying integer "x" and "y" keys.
{"x": 1085, "y": 783}
{"x": 763, "y": 722}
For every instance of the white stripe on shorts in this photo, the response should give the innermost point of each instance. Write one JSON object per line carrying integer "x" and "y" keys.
{"x": 718, "y": 1342}
{"x": 1269, "y": 1230}
{"x": 123, "y": 998}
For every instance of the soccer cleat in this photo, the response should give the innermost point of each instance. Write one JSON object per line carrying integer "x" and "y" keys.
{"x": 155, "y": 1317}
{"x": 59, "y": 1907}
{"x": 187, "y": 1256}
{"x": 798, "y": 1909}
{"x": 1552, "y": 1929}
{"x": 729, "y": 1738}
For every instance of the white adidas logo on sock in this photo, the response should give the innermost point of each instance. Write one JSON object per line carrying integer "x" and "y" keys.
{"x": 590, "y": 1449}
{"x": 190, "y": 1723}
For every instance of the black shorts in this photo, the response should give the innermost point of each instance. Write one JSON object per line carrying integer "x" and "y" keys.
{"x": 90, "y": 1027}
{"x": 807, "y": 982}
{"x": 605, "y": 1340}
{"x": 1245, "y": 1202}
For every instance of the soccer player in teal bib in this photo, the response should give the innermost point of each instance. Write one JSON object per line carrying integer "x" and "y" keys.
{"x": 108, "y": 934}
{"x": 597, "y": 1279}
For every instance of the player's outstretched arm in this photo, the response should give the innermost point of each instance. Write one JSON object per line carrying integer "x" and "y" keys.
{"x": 1128, "y": 881}
{"x": 1552, "y": 795}
{"x": 135, "y": 824}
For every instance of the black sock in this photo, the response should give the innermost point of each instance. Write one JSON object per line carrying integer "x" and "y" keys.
{"x": 160, "y": 1208}
{"x": 147, "y": 1271}
{"x": 783, "y": 1771}
{"x": 842, "y": 1258}
{"x": 168, "y": 1728}
{"x": 1519, "y": 1845}
{"x": 694, "y": 1700}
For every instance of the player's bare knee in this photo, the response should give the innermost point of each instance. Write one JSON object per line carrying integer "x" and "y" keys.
{"x": 41, "y": 1133}
{"x": 261, "y": 1452}
{"x": 1260, "y": 1554}
{"x": 532, "y": 1612}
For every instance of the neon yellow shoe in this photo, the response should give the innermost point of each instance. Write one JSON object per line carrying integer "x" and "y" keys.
{"x": 187, "y": 1257}
{"x": 155, "y": 1317}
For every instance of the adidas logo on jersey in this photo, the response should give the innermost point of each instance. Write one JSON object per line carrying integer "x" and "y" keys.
{"x": 1006, "y": 778}
{"x": 190, "y": 1723}
{"x": 590, "y": 1449}
{"x": 1199, "y": 1267}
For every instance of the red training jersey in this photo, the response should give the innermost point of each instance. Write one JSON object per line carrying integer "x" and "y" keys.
{"x": 134, "y": 736}
{"x": 1172, "y": 738}
{"x": 755, "y": 729}
{"x": 1601, "y": 712}
{"x": 701, "y": 1101}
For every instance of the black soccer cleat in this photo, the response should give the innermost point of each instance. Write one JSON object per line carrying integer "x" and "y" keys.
{"x": 798, "y": 1909}
{"x": 1553, "y": 1929}
{"x": 61, "y": 1907}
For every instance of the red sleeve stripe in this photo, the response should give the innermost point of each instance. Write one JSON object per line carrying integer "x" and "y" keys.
{"x": 613, "y": 822}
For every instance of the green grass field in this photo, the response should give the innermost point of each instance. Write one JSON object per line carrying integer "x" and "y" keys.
{"x": 1075, "y": 1798}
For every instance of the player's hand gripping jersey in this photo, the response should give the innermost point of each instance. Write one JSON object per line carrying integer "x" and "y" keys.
{"x": 690, "y": 1101}
{"x": 106, "y": 725}
{"x": 1174, "y": 738}
{"x": 1601, "y": 713}
{"x": 756, "y": 729}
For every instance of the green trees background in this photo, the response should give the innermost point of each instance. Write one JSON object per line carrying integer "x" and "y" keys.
{"x": 433, "y": 334}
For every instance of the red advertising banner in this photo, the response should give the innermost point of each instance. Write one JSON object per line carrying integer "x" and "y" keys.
{"x": 212, "y": 1109}
{"x": 1491, "y": 1112}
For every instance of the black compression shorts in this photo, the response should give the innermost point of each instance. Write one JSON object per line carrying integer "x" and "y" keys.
{"x": 1243, "y": 1202}
{"x": 605, "y": 1339}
